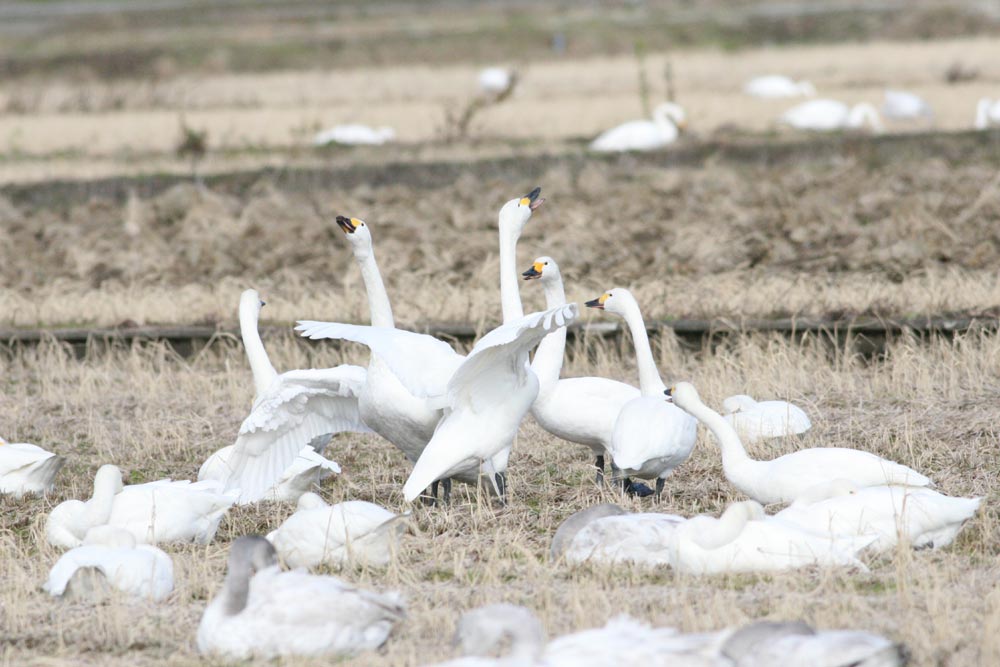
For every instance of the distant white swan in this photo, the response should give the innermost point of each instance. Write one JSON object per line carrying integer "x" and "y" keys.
{"x": 788, "y": 477}
{"x": 27, "y": 469}
{"x": 581, "y": 409}
{"x": 987, "y": 113}
{"x": 644, "y": 135}
{"x": 650, "y": 437}
{"x": 776, "y": 85}
{"x": 354, "y": 135}
{"x": 111, "y": 558}
{"x": 265, "y": 613}
{"x": 353, "y": 532}
{"x": 494, "y": 80}
{"x": 487, "y": 393}
{"x": 758, "y": 420}
{"x": 307, "y": 470}
{"x": 744, "y": 539}
{"x": 904, "y": 105}
{"x": 919, "y": 517}
{"x": 828, "y": 115}
{"x": 290, "y": 410}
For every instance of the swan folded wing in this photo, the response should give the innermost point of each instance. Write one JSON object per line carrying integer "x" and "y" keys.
{"x": 18, "y": 456}
{"x": 498, "y": 360}
{"x": 298, "y": 407}
{"x": 422, "y": 363}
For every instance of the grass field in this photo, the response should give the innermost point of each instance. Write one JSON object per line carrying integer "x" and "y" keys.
{"x": 101, "y": 224}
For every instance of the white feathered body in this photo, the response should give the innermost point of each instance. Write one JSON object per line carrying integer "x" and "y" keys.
{"x": 354, "y": 134}
{"x": 772, "y": 86}
{"x": 143, "y": 571}
{"x": 643, "y": 539}
{"x": 27, "y": 468}
{"x": 583, "y": 410}
{"x": 350, "y": 532}
{"x": 652, "y": 437}
{"x": 307, "y": 470}
{"x": 295, "y": 613}
{"x": 918, "y": 516}
{"x": 904, "y": 105}
{"x": 826, "y": 648}
{"x": 759, "y": 420}
{"x": 636, "y": 135}
{"x": 171, "y": 511}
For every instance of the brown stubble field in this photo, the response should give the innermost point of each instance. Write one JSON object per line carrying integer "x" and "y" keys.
{"x": 739, "y": 221}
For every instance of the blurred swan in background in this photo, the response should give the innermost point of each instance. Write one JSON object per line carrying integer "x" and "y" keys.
{"x": 828, "y": 115}
{"x": 777, "y": 86}
{"x": 987, "y": 113}
{"x": 904, "y": 105}
{"x": 354, "y": 134}
{"x": 644, "y": 135}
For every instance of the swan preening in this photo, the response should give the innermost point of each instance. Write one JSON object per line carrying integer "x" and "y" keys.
{"x": 644, "y": 135}
{"x": 828, "y": 115}
{"x": 353, "y": 532}
{"x": 778, "y": 86}
{"x": 491, "y": 629}
{"x": 354, "y": 134}
{"x": 262, "y": 612}
{"x": 27, "y": 469}
{"x": 787, "y": 477}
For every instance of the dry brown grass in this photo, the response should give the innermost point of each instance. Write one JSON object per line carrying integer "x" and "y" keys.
{"x": 927, "y": 405}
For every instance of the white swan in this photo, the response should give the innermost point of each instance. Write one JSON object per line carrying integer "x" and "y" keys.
{"x": 263, "y": 612}
{"x": 346, "y": 533}
{"x": 26, "y": 468}
{"x": 307, "y": 470}
{"x": 904, "y": 105}
{"x": 581, "y": 410}
{"x": 289, "y": 411}
{"x": 69, "y": 521}
{"x": 787, "y": 477}
{"x": 110, "y": 557}
{"x": 795, "y": 644}
{"x": 644, "y": 135}
{"x": 487, "y": 393}
{"x": 171, "y": 511}
{"x": 494, "y": 80}
{"x": 758, "y": 420}
{"x": 744, "y": 539}
{"x": 987, "y": 113}
{"x": 828, "y": 115}
{"x": 648, "y": 441}
{"x": 776, "y": 85}
{"x": 917, "y": 516}
{"x": 354, "y": 134}
{"x": 600, "y": 534}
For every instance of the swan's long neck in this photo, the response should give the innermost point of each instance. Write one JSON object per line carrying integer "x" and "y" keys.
{"x": 235, "y": 591}
{"x": 260, "y": 365}
{"x": 862, "y": 113}
{"x": 548, "y": 360}
{"x": 983, "y": 114}
{"x": 510, "y": 297}
{"x": 723, "y": 530}
{"x": 650, "y": 383}
{"x": 99, "y": 506}
{"x": 378, "y": 299}
{"x": 734, "y": 456}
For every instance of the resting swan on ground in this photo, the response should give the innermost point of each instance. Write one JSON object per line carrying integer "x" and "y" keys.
{"x": 644, "y": 135}
{"x": 262, "y": 612}
{"x": 486, "y": 394}
{"x": 581, "y": 410}
{"x": 607, "y": 534}
{"x": 353, "y": 532}
{"x": 26, "y": 468}
{"x": 650, "y": 437}
{"x": 904, "y": 105}
{"x": 290, "y": 410}
{"x": 987, "y": 114}
{"x": 758, "y": 420}
{"x": 787, "y": 477}
{"x": 110, "y": 558}
{"x": 744, "y": 539}
{"x": 829, "y": 115}
{"x": 69, "y": 521}
{"x": 917, "y": 516}
{"x": 307, "y": 470}
{"x": 354, "y": 134}
{"x": 775, "y": 86}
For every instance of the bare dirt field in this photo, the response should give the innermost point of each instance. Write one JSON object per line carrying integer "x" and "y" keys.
{"x": 101, "y": 224}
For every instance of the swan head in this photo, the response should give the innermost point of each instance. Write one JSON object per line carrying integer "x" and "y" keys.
{"x": 683, "y": 395}
{"x": 358, "y": 235}
{"x": 674, "y": 112}
{"x": 108, "y": 477}
{"x": 487, "y": 630}
{"x": 738, "y": 403}
{"x": 110, "y": 536}
{"x": 617, "y": 300}
{"x": 250, "y": 302}
{"x": 544, "y": 269}
{"x": 250, "y": 554}
{"x": 514, "y": 215}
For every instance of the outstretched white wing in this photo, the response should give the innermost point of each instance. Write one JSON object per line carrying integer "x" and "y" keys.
{"x": 498, "y": 360}
{"x": 297, "y": 407}
{"x": 423, "y": 364}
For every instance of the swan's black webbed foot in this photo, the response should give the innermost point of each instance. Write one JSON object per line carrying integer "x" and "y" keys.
{"x": 637, "y": 489}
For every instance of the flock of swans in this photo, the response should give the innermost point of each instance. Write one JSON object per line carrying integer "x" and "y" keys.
{"x": 455, "y": 418}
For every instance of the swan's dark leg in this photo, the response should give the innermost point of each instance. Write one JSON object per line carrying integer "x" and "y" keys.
{"x": 599, "y": 464}
{"x": 659, "y": 486}
{"x": 446, "y": 486}
{"x": 432, "y": 497}
{"x": 501, "y": 478}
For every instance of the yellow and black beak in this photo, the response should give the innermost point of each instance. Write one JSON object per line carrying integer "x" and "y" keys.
{"x": 534, "y": 273}
{"x": 598, "y": 302}
{"x": 532, "y": 200}
{"x": 347, "y": 224}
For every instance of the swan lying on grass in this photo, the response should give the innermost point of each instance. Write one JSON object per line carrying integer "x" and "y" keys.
{"x": 772, "y": 86}
{"x": 27, "y": 469}
{"x": 830, "y": 115}
{"x": 644, "y": 135}
{"x": 759, "y": 420}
